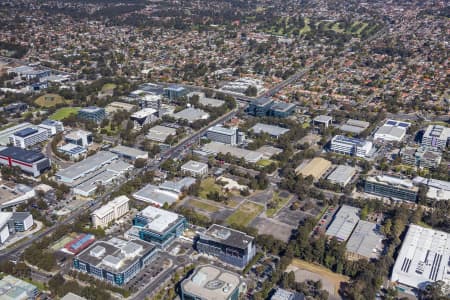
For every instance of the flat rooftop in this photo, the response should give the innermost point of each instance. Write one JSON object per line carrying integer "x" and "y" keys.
{"x": 14, "y": 288}
{"x": 195, "y": 166}
{"x": 210, "y": 282}
{"x": 394, "y": 181}
{"x": 222, "y": 130}
{"x": 228, "y": 236}
{"x": 343, "y": 222}
{"x": 191, "y": 114}
{"x": 355, "y": 126}
{"x": 342, "y": 174}
{"x": 366, "y": 240}
{"x": 5, "y": 133}
{"x": 143, "y": 113}
{"x": 152, "y": 193}
{"x": 248, "y": 155}
{"x": 115, "y": 255}
{"x": 26, "y": 132}
{"x": 160, "y": 133}
{"x": 129, "y": 151}
{"x": 159, "y": 219}
{"x": 28, "y": 156}
{"x": 423, "y": 258}
{"x": 91, "y": 109}
{"x": 270, "y": 129}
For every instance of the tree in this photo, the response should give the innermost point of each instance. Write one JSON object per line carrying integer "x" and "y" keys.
{"x": 140, "y": 163}
{"x": 251, "y": 91}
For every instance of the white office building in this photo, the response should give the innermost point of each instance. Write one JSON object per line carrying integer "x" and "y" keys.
{"x": 195, "y": 168}
{"x": 392, "y": 131}
{"x": 436, "y": 137}
{"x": 110, "y": 212}
{"x": 28, "y": 137}
{"x": 79, "y": 137}
{"x": 350, "y": 146}
{"x": 143, "y": 117}
{"x": 223, "y": 135}
{"x": 53, "y": 127}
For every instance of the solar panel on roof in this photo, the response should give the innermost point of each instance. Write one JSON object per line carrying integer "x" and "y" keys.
{"x": 390, "y": 122}
{"x": 403, "y": 125}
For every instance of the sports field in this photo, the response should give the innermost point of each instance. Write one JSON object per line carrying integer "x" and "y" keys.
{"x": 49, "y": 100}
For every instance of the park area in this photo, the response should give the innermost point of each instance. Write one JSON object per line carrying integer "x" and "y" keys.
{"x": 203, "y": 205}
{"x": 63, "y": 113}
{"x": 209, "y": 186}
{"x": 304, "y": 271}
{"x": 49, "y": 100}
{"x": 245, "y": 213}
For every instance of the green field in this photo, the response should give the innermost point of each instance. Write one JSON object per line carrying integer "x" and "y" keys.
{"x": 108, "y": 86}
{"x": 207, "y": 186}
{"x": 49, "y": 100}
{"x": 204, "y": 206}
{"x": 245, "y": 214}
{"x": 280, "y": 203}
{"x": 264, "y": 162}
{"x": 63, "y": 113}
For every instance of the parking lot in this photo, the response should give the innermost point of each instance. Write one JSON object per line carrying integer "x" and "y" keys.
{"x": 325, "y": 220}
{"x": 149, "y": 272}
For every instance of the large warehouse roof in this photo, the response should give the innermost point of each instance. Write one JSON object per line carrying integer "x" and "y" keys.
{"x": 343, "y": 223}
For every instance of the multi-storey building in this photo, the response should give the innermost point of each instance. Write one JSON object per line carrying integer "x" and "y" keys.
{"x": 143, "y": 117}
{"x": 31, "y": 162}
{"x": 223, "y": 135}
{"x": 79, "y": 137}
{"x": 53, "y": 127}
{"x": 230, "y": 246}
{"x": 391, "y": 187}
{"x": 282, "y": 109}
{"x": 111, "y": 211}
{"x": 421, "y": 157}
{"x": 116, "y": 261}
{"x": 158, "y": 226}
{"x": 350, "y": 146}
{"x": 92, "y": 113}
{"x": 175, "y": 91}
{"x": 436, "y": 136}
{"x": 260, "y": 107}
{"x": 28, "y": 137}
{"x": 195, "y": 168}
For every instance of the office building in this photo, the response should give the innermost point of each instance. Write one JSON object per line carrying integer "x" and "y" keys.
{"x": 209, "y": 282}
{"x": 156, "y": 196}
{"x": 272, "y": 130}
{"x": 21, "y": 221}
{"x": 79, "y": 137}
{"x": 342, "y": 175}
{"x": 350, "y": 146}
{"x": 175, "y": 91}
{"x": 281, "y": 109}
{"x": 343, "y": 223}
{"x": 422, "y": 260}
{"x": 13, "y": 195}
{"x": 195, "y": 168}
{"x": 28, "y": 137}
{"x": 160, "y": 133}
{"x": 191, "y": 114}
{"x": 116, "y": 261}
{"x": 316, "y": 168}
{"x": 4, "y": 226}
{"x": 437, "y": 189}
{"x": 391, "y": 187}
{"x": 392, "y": 131}
{"x": 14, "y": 108}
{"x": 421, "y": 157}
{"x": 92, "y": 113}
{"x": 6, "y": 133}
{"x": 223, "y": 135}
{"x": 111, "y": 211}
{"x": 322, "y": 121}
{"x": 73, "y": 151}
{"x": 30, "y": 162}
{"x": 260, "y": 107}
{"x": 129, "y": 153}
{"x": 159, "y": 226}
{"x": 13, "y": 288}
{"x": 354, "y": 126}
{"x": 143, "y": 117}
{"x": 205, "y": 101}
{"x": 231, "y": 246}
{"x": 436, "y": 137}
{"x": 53, "y": 127}
{"x": 282, "y": 294}
{"x": 366, "y": 242}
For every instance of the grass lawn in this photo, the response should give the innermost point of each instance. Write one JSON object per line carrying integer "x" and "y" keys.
{"x": 280, "y": 203}
{"x": 49, "y": 100}
{"x": 264, "y": 162}
{"x": 108, "y": 86}
{"x": 207, "y": 186}
{"x": 63, "y": 113}
{"x": 204, "y": 206}
{"x": 245, "y": 214}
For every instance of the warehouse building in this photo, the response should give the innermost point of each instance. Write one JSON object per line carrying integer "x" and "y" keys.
{"x": 209, "y": 282}
{"x": 116, "y": 261}
{"x": 28, "y": 137}
{"x": 14, "y": 288}
{"x": 366, "y": 242}
{"x": 206, "y": 101}
{"x": 392, "y": 131}
{"x": 191, "y": 114}
{"x": 436, "y": 137}
{"x": 30, "y": 162}
{"x": 167, "y": 192}
{"x": 111, "y": 211}
{"x": 343, "y": 223}
{"x": 158, "y": 226}
{"x": 391, "y": 187}
{"x": 350, "y": 146}
{"x": 214, "y": 148}
{"x": 228, "y": 245}
{"x": 272, "y": 130}
{"x": 316, "y": 168}
{"x": 160, "y": 133}
{"x": 354, "y": 126}
{"x": 342, "y": 175}
{"x": 195, "y": 168}
{"x": 129, "y": 153}
{"x": 422, "y": 260}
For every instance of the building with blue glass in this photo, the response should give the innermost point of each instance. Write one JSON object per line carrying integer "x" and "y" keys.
{"x": 391, "y": 187}
{"x": 263, "y": 107}
{"x": 282, "y": 109}
{"x": 231, "y": 246}
{"x": 175, "y": 91}
{"x": 158, "y": 226}
{"x": 116, "y": 261}
{"x": 92, "y": 113}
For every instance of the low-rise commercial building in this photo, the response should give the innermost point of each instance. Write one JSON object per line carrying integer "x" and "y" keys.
{"x": 223, "y": 135}
{"x": 13, "y": 195}
{"x": 116, "y": 261}
{"x": 421, "y": 157}
{"x": 342, "y": 175}
{"x": 422, "y": 260}
{"x": 158, "y": 226}
{"x": 268, "y": 107}
{"x": 282, "y": 294}
{"x": 79, "y": 137}
{"x": 28, "y": 137}
{"x": 14, "y": 288}
{"x": 437, "y": 189}
{"x": 214, "y": 148}
{"x": 160, "y": 133}
{"x": 436, "y": 137}
{"x": 206, "y": 101}
{"x": 354, "y": 126}
{"x": 92, "y": 113}
{"x": 210, "y": 282}
{"x": 391, "y": 187}
{"x": 110, "y": 212}
{"x": 366, "y": 242}
{"x": 392, "y": 131}
{"x": 191, "y": 114}
{"x": 167, "y": 192}
{"x": 30, "y": 162}
{"x": 316, "y": 168}
{"x": 272, "y": 130}
{"x": 73, "y": 151}
{"x": 53, "y": 127}
{"x": 350, "y": 146}
{"x": 115, "y": 106}
{"x": 6, "y": 133}
{"x": 195, "y": 168}
{"x": 343, "y": 223}
{"x": 143, "y": 117}
{"x": 129, "y": 153}
{"x": 12, "y": 222}
{"x": 229, "y": 245}
{"x": 322, "y": 121}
